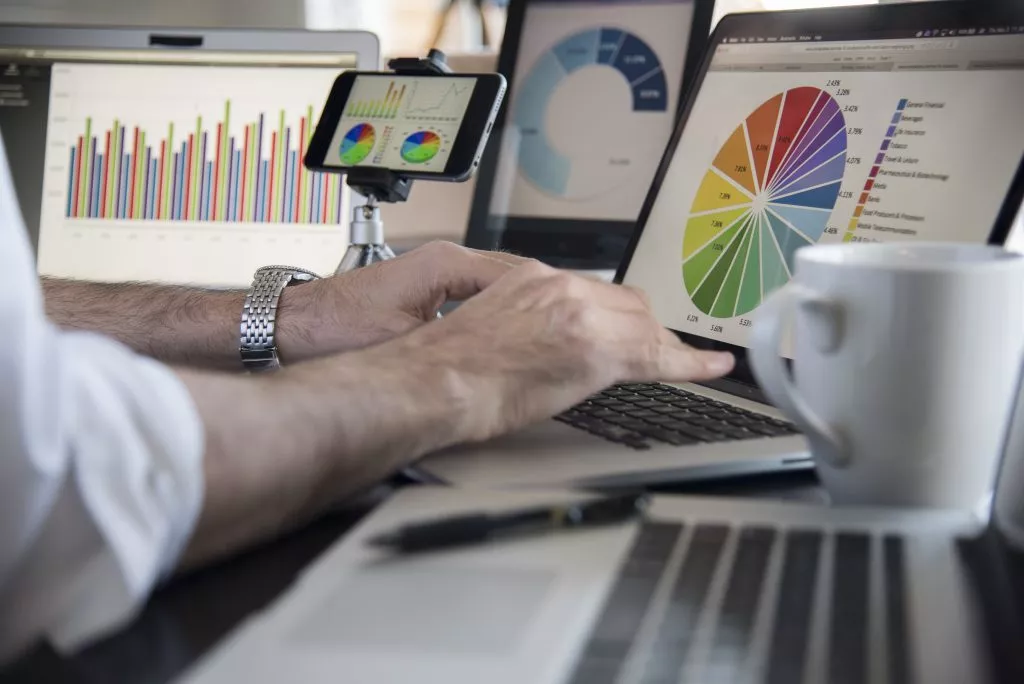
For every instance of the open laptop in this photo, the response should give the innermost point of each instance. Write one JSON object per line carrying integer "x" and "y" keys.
{"x": 703, "y": 590}
{"x": 173, "y": 155}
{"x": 595, "y": 88}
{"x": 881, "y": 123}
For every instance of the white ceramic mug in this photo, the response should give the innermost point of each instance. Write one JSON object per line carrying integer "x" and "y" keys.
{"x": 905, "y": 359}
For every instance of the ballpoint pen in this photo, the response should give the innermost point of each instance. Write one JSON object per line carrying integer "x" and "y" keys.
{"x": 473, "y": 528}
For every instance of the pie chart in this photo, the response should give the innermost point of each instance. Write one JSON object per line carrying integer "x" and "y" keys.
{"x": 770, "y": 191}
{"x": 421, "y": 147}
{"x": 545, "y": 162}
{"x": 357, "y": 144}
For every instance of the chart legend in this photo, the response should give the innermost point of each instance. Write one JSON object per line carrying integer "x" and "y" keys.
{"x": 876, "y": 168}
{"x": 203, "y": 174}
{"x": 770, "y": 191}
{"x": 421, "y": 147}
{"x": 357, "y": 144}
{"x": 383, "y": 108}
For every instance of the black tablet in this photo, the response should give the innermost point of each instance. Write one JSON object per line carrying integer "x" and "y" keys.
{"x": 594, "y": 88}
{"x": 887, "y": 123}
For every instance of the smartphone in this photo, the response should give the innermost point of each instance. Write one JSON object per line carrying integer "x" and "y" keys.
{"x": 432, "y": 127}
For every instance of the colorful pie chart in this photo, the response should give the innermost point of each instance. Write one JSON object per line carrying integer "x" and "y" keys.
{"x": 421, "y": 147}
{"x": 770, "y": 191}
{"x": 357, "y": 144}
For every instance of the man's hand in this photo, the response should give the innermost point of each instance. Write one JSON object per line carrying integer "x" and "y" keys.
{"x": 540, "y": 340}
{"x": 382, "y": 301}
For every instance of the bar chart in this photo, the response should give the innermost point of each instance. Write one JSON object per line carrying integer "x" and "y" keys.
{"x": 186, "y": 174}
{"x": 203, "y": 174}
{"x": 383, "y": 108}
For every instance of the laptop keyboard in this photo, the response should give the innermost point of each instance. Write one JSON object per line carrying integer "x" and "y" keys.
{"x": 637, "y": 414}
{"x": 713, "y": 603}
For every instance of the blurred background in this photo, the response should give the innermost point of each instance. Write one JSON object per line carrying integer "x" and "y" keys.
{"x": 404, "y": 26}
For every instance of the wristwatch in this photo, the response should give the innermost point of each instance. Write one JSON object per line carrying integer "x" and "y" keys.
{"x": 259, "y": 315}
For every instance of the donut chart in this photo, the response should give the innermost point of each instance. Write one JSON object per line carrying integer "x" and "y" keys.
{"x": 539, "y": 161}
{"x": 357, "y": 144}
{"x": 770, "y": 191}
{"x": 421, "y": 147}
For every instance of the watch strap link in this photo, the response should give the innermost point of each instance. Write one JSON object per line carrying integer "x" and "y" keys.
{"x": 259, "y": 315}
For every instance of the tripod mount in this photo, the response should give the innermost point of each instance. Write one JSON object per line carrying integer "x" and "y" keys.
{"x": 366, "y": 231}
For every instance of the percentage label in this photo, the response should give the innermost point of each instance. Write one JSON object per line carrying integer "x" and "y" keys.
{"x": 716, "y": 224}
{"x": 761, "y": 147}
{"x": 833, "y": 84}
{"x": 650, "y": 94}
{"x": 854, "y": 131}
{"x": 853, "y": 161}
{"x": 717, "y": 247}
{"x": 846, "y": 194}
{"x": 851, "y": 108}
{"x": 725, "y": 195}
{"x": 831, "y": 230}
{"x": 635, "y": 59}
{"x": 842, "y": 92}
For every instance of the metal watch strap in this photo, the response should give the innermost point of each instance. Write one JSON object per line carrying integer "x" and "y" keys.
{"x": 259, "y": 315}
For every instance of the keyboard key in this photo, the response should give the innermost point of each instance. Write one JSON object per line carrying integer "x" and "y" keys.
{"x": 641, "y": 413}
{"x": 693, "y": 432}
{"x": 849, "y": 629}
{"x": 660, "y": 420}
{"x": 686, "y": 404}
{"x": 654, "y": 393}
{"x": 900, "y": 668}
{"x": 790, "y": 635}
{"x": 666, "y": 409}
{"x": 647, "y": 403}
{"x": 610, "y": 403}
{"x": 669, "y": 437}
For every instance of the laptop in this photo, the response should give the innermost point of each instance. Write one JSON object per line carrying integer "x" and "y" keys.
{"x": 173, "y": 155}
{"x": 822, "y": 126}
{"x": 701, "y": 590}
{"x": 595, "y": 88}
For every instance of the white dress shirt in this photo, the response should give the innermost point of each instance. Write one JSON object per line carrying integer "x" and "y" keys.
{"x": 100, "y": 466}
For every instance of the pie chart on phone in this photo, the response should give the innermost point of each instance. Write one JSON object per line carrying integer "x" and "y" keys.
{"x": 770, "y": 191}
{"x": 421, "y": 147}
{"x": 357, "y": 144}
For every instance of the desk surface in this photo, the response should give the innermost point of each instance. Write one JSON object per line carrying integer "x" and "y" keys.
{"x": 188, "y": 617}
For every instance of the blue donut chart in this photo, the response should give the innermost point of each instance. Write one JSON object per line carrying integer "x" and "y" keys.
{"x": 614, "y": 48}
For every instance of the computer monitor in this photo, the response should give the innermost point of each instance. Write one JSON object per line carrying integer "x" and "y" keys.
{"x": 174, "y": 155}
{"x": 593, "y": 92}
{"x": 879, "y": 124}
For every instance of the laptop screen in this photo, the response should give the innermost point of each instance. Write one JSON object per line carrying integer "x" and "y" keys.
{"x": 798, "y": 140}
{"x": 170, "y": 165}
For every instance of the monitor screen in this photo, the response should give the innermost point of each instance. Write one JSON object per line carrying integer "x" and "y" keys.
{"x": 799, "y": 140}
{"x": 170, "y": 165}
{"x": 594, "y": 93}
{"x": 408, "y": 122}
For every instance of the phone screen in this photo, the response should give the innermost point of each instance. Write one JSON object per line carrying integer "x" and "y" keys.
{"x": 407, "y": 123}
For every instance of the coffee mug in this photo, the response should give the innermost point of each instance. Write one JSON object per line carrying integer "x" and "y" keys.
{"x": 905, "y": 359}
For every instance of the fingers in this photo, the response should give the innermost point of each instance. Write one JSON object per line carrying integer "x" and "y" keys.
{"x": 680, "y": 363}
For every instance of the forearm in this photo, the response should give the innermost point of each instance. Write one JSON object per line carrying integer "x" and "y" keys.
{"x": 281, "y": 448}
{"x": 177, "y": 325}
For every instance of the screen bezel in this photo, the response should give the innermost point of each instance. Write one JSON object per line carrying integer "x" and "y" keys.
{"x": 571, "y": 243}
{"x": 475, "y": 126}
{"x": 853, "y": 23}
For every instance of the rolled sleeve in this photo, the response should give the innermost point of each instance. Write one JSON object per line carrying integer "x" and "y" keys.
{"x": 101, "y": 478}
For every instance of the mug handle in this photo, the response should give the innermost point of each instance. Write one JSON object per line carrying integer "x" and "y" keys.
{"x": 773, "y": 316}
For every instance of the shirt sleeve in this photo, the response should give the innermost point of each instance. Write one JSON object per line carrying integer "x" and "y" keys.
{"x": 101, "y": 475}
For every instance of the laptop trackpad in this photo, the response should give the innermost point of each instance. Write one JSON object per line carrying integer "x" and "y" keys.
{"x": 446, "y": 609}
